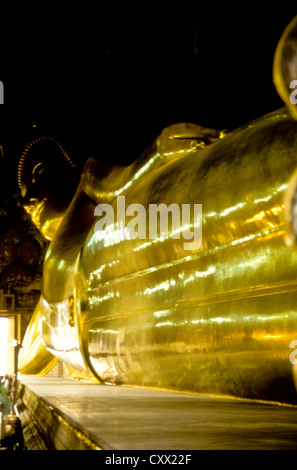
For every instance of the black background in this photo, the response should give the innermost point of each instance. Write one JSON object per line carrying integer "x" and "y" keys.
{"x": 107, "y": 82}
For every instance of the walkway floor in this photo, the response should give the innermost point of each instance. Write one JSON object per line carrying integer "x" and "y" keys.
{"x": 129, "y": 418}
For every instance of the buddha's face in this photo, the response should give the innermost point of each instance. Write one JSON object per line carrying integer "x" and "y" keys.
{"x": 47, "y": 187}
{"x": 40, "y": 200}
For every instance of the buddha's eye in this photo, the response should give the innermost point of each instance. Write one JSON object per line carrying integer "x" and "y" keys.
{"x": 37, "y": 171}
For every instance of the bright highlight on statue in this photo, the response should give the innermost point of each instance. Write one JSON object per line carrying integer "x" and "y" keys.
{"x": 212, "y": 311}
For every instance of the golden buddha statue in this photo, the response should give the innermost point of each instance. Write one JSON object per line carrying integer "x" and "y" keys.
{"x": 215, "y": 314}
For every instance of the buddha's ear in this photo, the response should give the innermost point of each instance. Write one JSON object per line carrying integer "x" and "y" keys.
{"x": 285, "y": 67}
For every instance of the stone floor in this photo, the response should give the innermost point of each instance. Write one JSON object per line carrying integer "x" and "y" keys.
{"x": 130, "y": 418}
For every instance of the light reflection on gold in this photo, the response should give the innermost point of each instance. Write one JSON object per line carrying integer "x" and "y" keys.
{"x": 218, "y": 319}
{"x": 272, "y": 336}
{"x": 48, "y": 227}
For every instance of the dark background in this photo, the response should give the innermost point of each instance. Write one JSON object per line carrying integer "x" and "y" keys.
{"x": 107, "y": 82}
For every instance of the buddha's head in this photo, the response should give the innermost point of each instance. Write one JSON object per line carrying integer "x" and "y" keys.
{"x": 47, "y": 180}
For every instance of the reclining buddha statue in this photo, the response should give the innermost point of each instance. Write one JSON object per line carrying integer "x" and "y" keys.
{"x": 208, "y": 303}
